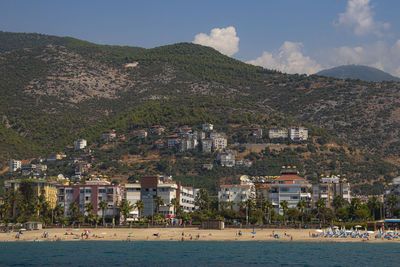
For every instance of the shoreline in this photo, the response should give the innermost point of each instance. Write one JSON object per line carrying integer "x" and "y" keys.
{"x": 177, "y": 234}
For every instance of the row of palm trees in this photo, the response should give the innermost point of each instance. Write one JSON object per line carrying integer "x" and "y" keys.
{"x": 263, "y": 210}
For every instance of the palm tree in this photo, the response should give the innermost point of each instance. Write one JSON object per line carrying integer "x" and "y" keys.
{"x": 373, "y": 204}
{"x": 140, "y": 206}
{"x": 125, "y": 208}
{"x": 302, "y": 205}
{"x": 231, "y": 204}
{"x": 268, "y": 208}
{"x": 249, "y": 207}
{"x": 320, "y": 209}
{"x": 103, "y": 205}
{"x": 74, "y": 209}
{"x": 4, "y": 209}
{"x": 159, "y": 202}
{"x": 392, "y": 202}
{"x": 13, "y": 198}
{"x": 223, "y": 205}
{"x": 90, "y": 210}
{"x": 58, "y": 211}
{"x": 338, "y": 202}
{"x": 284, "y": 206}
{"x": 175, "y": 203}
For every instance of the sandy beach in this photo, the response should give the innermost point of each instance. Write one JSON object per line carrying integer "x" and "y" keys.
{"x": 175, "y": 234}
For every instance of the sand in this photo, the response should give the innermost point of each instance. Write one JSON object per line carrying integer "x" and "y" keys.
{"x": 168, "y": 234}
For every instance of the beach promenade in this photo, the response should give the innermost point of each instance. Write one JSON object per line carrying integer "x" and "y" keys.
{"x": 176, "y": 234}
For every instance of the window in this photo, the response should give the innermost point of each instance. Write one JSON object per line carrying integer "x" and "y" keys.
{"x": 103, "y": 191}
{"x": 110, "y": 190}
{"x": 284, "y": 189}
{"x": 82, "y": 191}
{"x": 88, "y": 191}
{"x": 69, "y": 191}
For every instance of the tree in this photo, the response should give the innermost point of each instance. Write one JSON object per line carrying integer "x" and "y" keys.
{"x": 284, "y": 206}
{"x": 268, "y": 209}
{"x": 355, "y": 205}
{"x": 103, "y": 205}
{"x": 392, "y": 202}
{"x": 302, "y": 205}
{"x": 74, "y": 209}
{"x": 159, "y": 202}
{"x": 338, "y": 202}
{"x": 373, "y": 205}
{"x": 293, "y": 214}
{"x": 222, "y": 205}
{"x": 58, "y": 212}
{"x": 90, "y": 212}
{"x": 175, "y": 204}
{"x": 140, "y": 206}
{"x": 125, "y": 208}
{"x": 320, "y": 210}
{"x": 203, "y": 200}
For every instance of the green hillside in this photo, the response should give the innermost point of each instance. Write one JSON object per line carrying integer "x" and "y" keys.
{"x": 56, "y": 89}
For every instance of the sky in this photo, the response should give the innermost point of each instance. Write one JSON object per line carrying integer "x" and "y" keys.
{"x": 293, "y": 36}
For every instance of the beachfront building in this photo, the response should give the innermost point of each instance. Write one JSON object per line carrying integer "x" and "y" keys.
{"x": 233, "y": 195}
{"x": 133, "y": 195}
{"x": 329, "y": 187}
{"x": 41, "y": 187}
{"x": 80, "y": 144}
{"x": 276, "y": 133}
{"x": 288, "y": 186}
{"x": 152, "y": 187}
{"x": 14, "y": 165}
{"x": 94, "y": 191}
{"x": 298, "y": 134}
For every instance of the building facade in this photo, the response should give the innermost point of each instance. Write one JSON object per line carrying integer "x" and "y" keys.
{"x": 14, "y": 165}
{"x": 276, "y": 133}
{"x": 298, "y": 134}
{"x": 328, "y": 188}
{"x": 80, "y": 144}
{"x": 93, "y": 192}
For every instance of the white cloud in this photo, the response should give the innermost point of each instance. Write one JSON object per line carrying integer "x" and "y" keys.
{"x": 360, "y": 18}
{"x": 379, "y": 55}
{"x": 224, "y": 40}
{"x": 288, "y": 59}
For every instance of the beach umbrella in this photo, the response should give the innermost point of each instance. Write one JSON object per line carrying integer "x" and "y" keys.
{"x": 253, "y": 232}
{"x": 319, "y": 231}
{"x": 370, "y": 232}
{"x": 357, "y": 226}
{"x": 22, "y": 229}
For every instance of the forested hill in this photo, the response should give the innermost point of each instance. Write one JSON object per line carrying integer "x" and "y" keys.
{"x": 52, "y": 89}
{"x": 363, "y": 73}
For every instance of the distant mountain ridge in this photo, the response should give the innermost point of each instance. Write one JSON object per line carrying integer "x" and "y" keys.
{"x": 364, "y": 73}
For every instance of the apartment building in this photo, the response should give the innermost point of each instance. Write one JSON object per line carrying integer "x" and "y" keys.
{"x": 298, "y": 134}
{"x": 329, "y": 187}
{"x": 14, "y": 165}
{"x": 288, "y": 186}
{"x": 80, "y": 144}
{"x": 141, "y": 134}
{"x": 40, "y": 187}
{"x": 109, "y": 136}
{"x": 206, "y": 145}
{"x": 93, "y": 191}
{"x": 220, "y": 141}
{"x": 227, "y": 159}
{"x": 276, "y": 133}
{"x": 208, "y": 127}
{"x": 164, "y": 187}
{"x": 235, "y": 194}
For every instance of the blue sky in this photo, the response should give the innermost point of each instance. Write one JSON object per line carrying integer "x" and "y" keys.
{"x": 290, "y": 35}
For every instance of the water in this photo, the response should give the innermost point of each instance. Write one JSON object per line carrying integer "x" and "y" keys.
{"x": 165, "y": 253}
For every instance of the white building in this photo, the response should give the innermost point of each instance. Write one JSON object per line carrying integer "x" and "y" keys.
{"x": 276, "y": 133}
{"x": 234, "y": 194}
{"x": 290, "y": 187}
{"x": 141, "y": 134}
{"x": 208, "y": 127}
{"x": 80, "y": 144}
{"x": 14, "y": 165}
{"x": 227, "y": 159}
{"x": 298, "y": 134}
{"x": 151, "y": 187}
{"x": 188, "y": 144}
{"x": 132, "y": 195}
{"x": 220, "y": 141}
